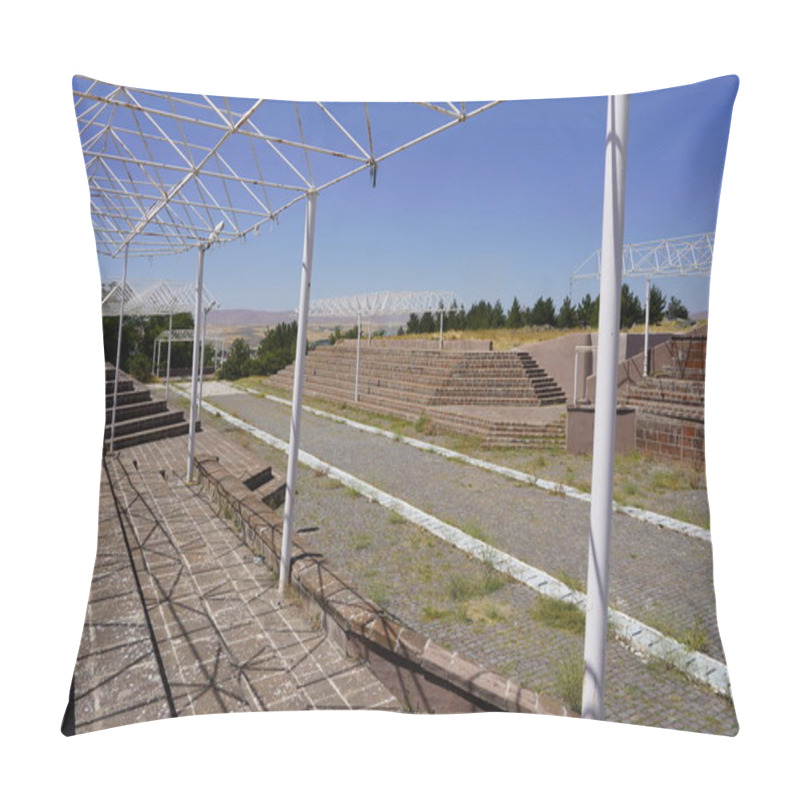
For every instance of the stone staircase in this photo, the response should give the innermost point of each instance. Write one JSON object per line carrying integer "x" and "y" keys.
{"x": 670, "y": 404}
{"x": 542, "y": 435}
{"x": 450, "y": 389}
{"x": 407, "y": 383}
{"x": 139, "y": 418}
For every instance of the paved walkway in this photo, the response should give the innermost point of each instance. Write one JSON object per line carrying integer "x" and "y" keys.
{"x": 659, "y": 576}
{"x": 183, "y": 620}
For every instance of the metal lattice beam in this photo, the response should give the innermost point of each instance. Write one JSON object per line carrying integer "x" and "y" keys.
{"x": 382, "y": 303}
{"x": 164, "y": 168}
{"x": 158, "y": 298}
{"x": 666, "y": 258}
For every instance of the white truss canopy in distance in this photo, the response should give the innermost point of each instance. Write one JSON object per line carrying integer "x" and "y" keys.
{"x": 165, "y": 169}
{"x": 152, "y": 299}
{"x": 679, "y": 256}
{"x": 382, "y": 303}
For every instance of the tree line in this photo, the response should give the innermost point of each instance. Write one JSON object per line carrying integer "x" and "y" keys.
{"x": 484, "y": 315}
{"x": 275, "y": 351}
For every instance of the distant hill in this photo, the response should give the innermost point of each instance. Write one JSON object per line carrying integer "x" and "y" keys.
{"x": 243, "y": 317}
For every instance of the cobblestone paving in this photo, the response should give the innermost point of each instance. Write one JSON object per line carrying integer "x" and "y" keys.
{"x": 660, "y": 577}
{"x": 224, "y": 639}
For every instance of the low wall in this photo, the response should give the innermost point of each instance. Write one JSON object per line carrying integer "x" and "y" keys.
{"x": 680, "y": 440}
{"x": 580, "y": 429}
{"x": 424, "y": 675}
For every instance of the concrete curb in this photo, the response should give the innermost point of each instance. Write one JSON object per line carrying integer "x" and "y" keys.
{"x": 426, "y": 676}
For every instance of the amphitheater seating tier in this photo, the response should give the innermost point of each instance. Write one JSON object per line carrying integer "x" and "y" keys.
{"x": 138, "y": 417}
{"x": 417, "y": 383}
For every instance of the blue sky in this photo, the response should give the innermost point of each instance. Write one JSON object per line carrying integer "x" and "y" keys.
{"x": 507, "y": 204}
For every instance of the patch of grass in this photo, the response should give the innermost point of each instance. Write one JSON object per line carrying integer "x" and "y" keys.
{"x": 377, "y": 590}
{"x": 351, "y": 492}
{"x": 569, "y": 681}
{"x": 434, "y": 613}
{"x": 576, "y": 584}
{"x": 395, "y": 518}
{"x": 695, "y": 636}
{"x": 423, "y": 425}
{"x": 486, "y": 610}
{"x": 476, "y": 531}
{"x": 461, "y": 587}
{"x": 559, "y": 614}
{"x": 360, "y": 541}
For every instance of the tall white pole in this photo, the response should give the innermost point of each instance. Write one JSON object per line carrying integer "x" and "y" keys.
{"x": 169, "y": 358}
{"x": 297, "y": 395}
{"x": 358, "y": 354}
{"x": 119, "y": 348}
{"x": 198, "y": 311}
{"x": 441, "y": 328}
{"x": 605, "y": 409}
{"x": 646, "y": 324}
{"x": 202, "y": 361}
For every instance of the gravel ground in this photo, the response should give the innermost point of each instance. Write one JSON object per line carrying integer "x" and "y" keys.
{"x": 658, "y": 576}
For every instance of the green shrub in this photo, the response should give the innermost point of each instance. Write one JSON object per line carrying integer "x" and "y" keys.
{"x": 139, "y": 367}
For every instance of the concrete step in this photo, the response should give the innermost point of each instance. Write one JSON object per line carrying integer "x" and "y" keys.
{"x": 142, "y": 423}
{"x": 128, "y": 398}
{"x": 133, "y": 410}
{"x": 152, "y": 434}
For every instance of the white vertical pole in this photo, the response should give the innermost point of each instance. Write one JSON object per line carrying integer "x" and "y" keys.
{"x": 153, "y": 369}
{"x": 575, "y": 381}
{"x": 358, "y": 353}
{"x": 297, "y": 395}
{"x": 119, "y": 349}
{"x": 202, "y": 362}
{"x": 441, "y": 328}
{"x": 605, "y": 409}
{"x": 646, "y": 324}
{"x": 198, "y": 311}
{"x": 169, "y": 358}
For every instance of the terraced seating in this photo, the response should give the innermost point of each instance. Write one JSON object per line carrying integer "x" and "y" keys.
{"x": 670, "y": 405}
{"x": 138, "y": 417}
{"x": 408, "y": 382}
{"x": 429, "y": 383}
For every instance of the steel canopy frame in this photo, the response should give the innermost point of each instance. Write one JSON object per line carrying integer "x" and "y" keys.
{"x": 167, "y": 172}
{"x": 170, "y": 172}
{"x": 680, "y": 256}
{"x": 377, "y": 303}
{"x": 160, "y": 298}
{"x": 152, "y": 298}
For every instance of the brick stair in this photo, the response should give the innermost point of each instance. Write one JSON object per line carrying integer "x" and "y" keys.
{"x": 501, "y": 433}
{"x": 670, "y": 405}
{"x": 410, "y": 384}
{"x": 410, "y": 381}
{"x": 139, "y": 418}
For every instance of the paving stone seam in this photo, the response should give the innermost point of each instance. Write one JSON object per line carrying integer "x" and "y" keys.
{"x": 660, "y": 520}
{"x": 286, "y": 666}
{"x": 640, "y": 637}
{"x": 159, "y": 592}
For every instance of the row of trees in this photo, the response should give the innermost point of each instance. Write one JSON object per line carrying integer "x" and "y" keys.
{"x": 275, "y": 350}
{"x": 484, "y": 315}
{"x": 138, "y": 337}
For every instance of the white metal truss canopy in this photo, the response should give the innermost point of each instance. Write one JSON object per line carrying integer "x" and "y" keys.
{"x": 681, "y": 256}
{"x": 666, "y": 258}
{"x": 371, "y": 305}
{"x": 164, "y": 169}
{"x": 152, "y": 299}
{"x": 171, "y": 172}
{"x": 380, "y": 303}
